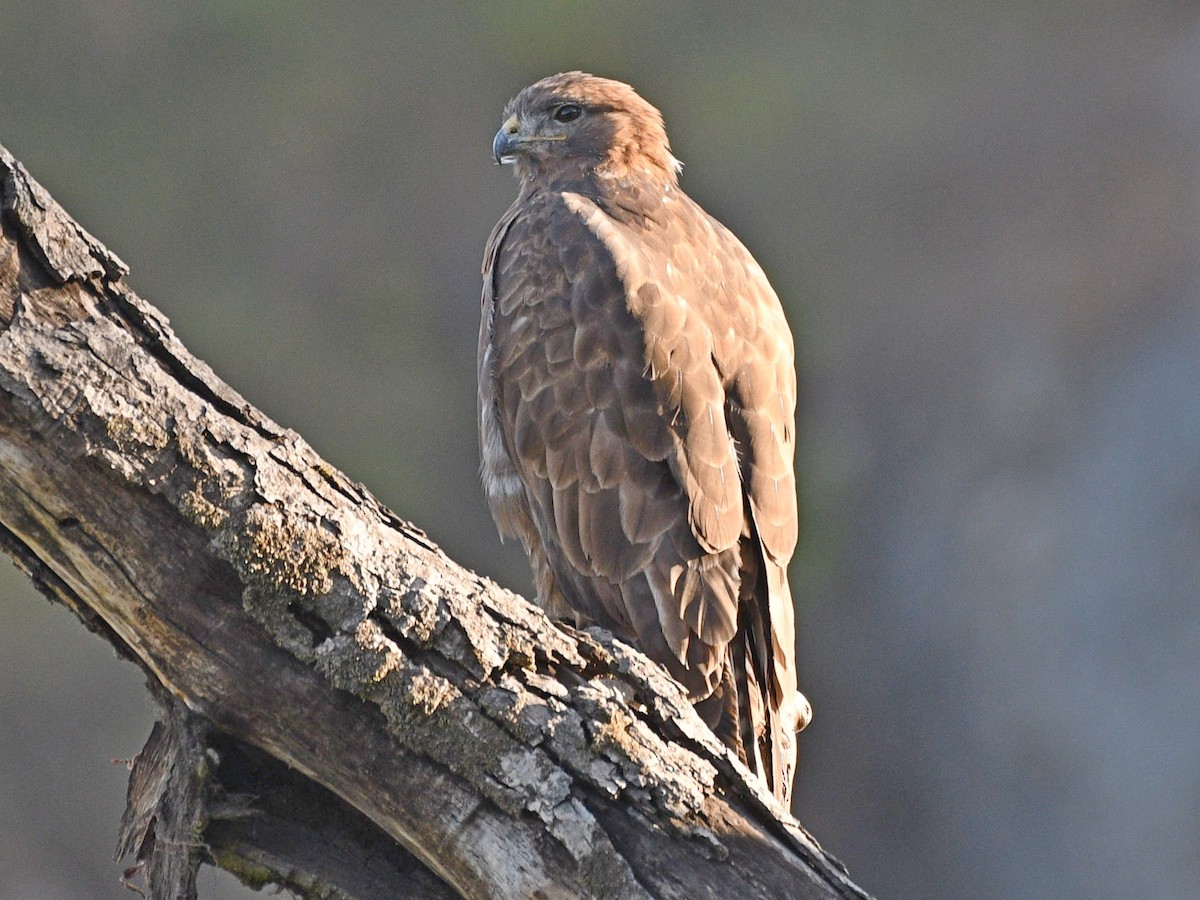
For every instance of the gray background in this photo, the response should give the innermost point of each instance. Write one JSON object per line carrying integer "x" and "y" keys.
{"x": 983, "y": 220}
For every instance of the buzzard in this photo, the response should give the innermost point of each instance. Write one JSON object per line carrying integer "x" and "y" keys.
{"x": 637, "y": 397}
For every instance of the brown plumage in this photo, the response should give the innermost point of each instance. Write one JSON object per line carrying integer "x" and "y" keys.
{"x": 637, "y": 397}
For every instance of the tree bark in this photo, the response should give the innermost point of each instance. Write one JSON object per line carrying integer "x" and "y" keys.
{"x": 346, "y": 711}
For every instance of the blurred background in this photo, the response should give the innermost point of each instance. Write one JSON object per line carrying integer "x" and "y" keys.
{"x": 984, "y": 222}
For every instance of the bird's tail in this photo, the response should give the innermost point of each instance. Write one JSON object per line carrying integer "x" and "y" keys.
{"x": 761, "y": 709}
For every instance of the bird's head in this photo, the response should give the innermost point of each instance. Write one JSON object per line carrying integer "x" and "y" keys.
{"x": 575, "y": 124}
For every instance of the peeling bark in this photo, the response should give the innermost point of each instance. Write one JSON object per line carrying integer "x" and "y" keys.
{"x": 311, "y": 641}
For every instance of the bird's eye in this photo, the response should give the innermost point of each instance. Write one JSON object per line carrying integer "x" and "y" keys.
{"x": 568, "y": 112}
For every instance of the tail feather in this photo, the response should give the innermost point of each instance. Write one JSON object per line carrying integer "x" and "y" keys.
{"x": 742, "y": 714}
{"x": 763, "y": 710}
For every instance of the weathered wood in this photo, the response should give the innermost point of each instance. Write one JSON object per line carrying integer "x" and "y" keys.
{"x": 197, "y": 794}
{"x": 167, "y": 806}
{"x": 283, "y": 606}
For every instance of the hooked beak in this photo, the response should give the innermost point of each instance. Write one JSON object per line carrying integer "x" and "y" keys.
{"x": 506, "y": 141}
{"x": 509, "y": 141}
{"x": 504, "y": 146}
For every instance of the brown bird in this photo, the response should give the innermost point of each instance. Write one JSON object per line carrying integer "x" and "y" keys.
{"x": 637, "y": 396}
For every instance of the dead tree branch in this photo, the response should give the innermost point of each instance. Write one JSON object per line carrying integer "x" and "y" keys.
{"x": 346, "y": 710}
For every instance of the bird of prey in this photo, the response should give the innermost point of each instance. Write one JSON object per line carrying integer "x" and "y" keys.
{"x": 637, "y": 395}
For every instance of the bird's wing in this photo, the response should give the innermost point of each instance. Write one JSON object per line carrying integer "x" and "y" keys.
{"x": 721, "y": 356}
{"x": 610, "y": 360}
